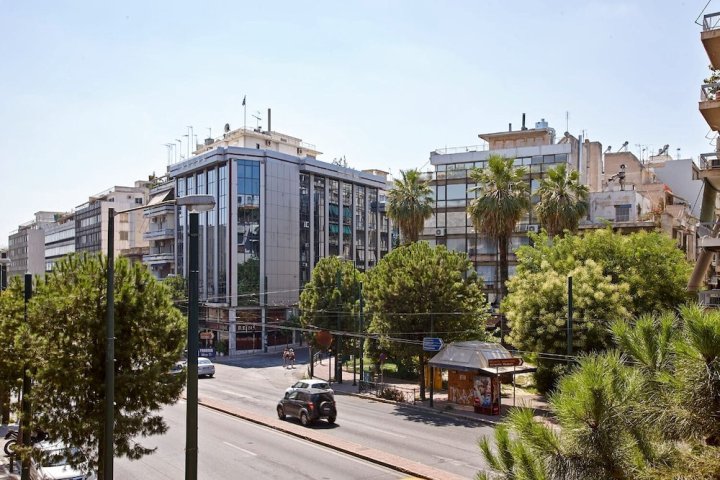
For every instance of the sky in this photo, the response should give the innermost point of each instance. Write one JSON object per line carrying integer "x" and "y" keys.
{"x": 91, "y": 91}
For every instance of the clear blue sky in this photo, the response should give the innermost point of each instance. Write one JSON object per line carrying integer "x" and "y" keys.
{"x": 92, "y": 90}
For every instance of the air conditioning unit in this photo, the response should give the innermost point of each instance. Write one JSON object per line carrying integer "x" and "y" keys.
{"x": 307, "y": 245}
{"x": 303, "y": 191}
{"x": 306, "y": 224}
{"x": 440, "y": 232}
{"x": 304, "y": 264}
{"x": 533, "y": 228}
{"x": 268, "y": 143}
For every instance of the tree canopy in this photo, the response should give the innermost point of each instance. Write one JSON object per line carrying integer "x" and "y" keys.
{"x": 563, "y": 200}
{"x": 329, "y": 298}
{"x": 410, "y": 203}
{"x": 647, "y": 411}
{"x": 66, "y": 353}
{"x": 416, "y": 285}
{"x": 654, "y": 269}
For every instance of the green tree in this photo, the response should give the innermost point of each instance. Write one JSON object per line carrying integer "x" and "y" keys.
{"x": 67, "y": 352}
{"x": 329, "y": 298}
{"x": 11, "y": 349}
{"x": 178, "y": 288}
{"x": 563, "y": 200}
{"x": 410, "y": 203}
{"x": 415, "y": 285}
{"x": 502, "y": 198}
{"x": 537, "y": 309}
{"x": 650, "y": 263}
{"x": 599, "y": 434}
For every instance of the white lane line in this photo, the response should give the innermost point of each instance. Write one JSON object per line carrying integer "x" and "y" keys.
{"x": 384, "y": 432}
{"x": 241, "y": 449}
{"x": 230, "y": 392}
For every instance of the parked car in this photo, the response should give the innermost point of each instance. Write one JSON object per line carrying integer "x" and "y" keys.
{"x": 309, "y": 383}
{"x": 52, "y": 464}
{"x": 178, "y": 367}
{"x": 309, "y": 405}
{"x": 205, "y": 367}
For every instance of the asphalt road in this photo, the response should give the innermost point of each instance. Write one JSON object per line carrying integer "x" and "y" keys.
{"x": 448, "y": 443}
{"x": 232, "y": 448}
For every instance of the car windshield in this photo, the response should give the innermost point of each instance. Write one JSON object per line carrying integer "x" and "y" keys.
{"x": 54, "y": 458}
{"x": 323, "y": 386}
{"x": 203, "y": 361}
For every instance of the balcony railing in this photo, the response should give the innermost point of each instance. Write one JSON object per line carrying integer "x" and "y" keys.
{"x": 711, "y": 21}
{"x": 709, "y": 160}
{"x": 709, "y": 92}
{"x": 158, "y": 210}
{"x": 158, "y": 234}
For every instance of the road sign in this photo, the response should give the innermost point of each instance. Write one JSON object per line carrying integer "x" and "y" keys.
{"x": 432, "y": 344}
{"x": 505, "y": 362}
{"x": 206, "y": 335}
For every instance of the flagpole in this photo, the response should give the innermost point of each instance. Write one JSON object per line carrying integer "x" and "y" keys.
{"x": 244, "y": 114}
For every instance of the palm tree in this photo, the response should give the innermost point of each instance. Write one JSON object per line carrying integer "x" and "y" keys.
{"x": 563, "y": 200}
{"x": 410, "y": 204}
{"x": 502, "y": 198}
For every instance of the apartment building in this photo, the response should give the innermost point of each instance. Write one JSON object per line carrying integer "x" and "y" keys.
{"x": 538, "y": 150}
{"x": 26, "y": 246}
{"x": 91, "y": 220}
{"x": 160, "y": 233}
{"x": 59, "y": 239}
{"x": 278, "y": 211}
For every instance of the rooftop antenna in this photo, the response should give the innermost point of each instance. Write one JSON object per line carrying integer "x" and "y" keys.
{"x": 170, "y": 151}
{"x": 567, "y": 121}
{"x": 179, "y": 150}
{"x": 678, "y": 152}
{"x": 257, "y": 117}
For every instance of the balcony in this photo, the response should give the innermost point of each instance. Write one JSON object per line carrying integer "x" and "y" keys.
{"x": 154, "y": 211}
{"x": 709, "y": 298}
{"x": 710, "y": 168}
{"x": 710, "y": 104}
{"x": 159, "y": 255}
{"x": 163, "y": 233}
{"x": 710, "y": 37}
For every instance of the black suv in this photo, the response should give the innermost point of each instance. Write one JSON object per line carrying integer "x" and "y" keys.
{"x": 308, "y": 404}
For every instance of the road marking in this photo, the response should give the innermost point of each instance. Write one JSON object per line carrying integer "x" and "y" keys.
{"x": 230, "y": 392}
{"x": 384, "y": 432}
{"x": 241, "y": 449}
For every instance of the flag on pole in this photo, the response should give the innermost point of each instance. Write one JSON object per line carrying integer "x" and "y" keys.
{"x": 244, "y": 100}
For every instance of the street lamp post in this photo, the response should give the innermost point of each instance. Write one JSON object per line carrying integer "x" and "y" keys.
{"x": 195, "y": 203}
{"x": 26, "y": 414}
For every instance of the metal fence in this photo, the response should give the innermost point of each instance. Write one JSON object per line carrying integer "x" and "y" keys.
{"x": 390, "y": 391}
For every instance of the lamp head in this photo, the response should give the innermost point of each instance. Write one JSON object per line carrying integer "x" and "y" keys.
{"x": 196, "y": 203}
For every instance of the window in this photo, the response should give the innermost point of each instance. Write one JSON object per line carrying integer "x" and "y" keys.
{"x": 622, "y": 213}
{"x": 139, "y": 201}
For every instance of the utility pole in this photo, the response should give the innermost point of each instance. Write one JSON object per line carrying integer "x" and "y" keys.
{"x": 109, "y": 427}
{"x": 338, "y": 361}
{"x": 264, "y": 318}
{"x": 432, "y": 369}
{"x": 25, "y": 423}
{"x": 362, "y": 339}
{"x": 570, "y": 320}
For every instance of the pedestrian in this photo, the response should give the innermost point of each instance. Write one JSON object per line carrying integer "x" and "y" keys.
{"x": 291, "y": 355}
{"x": 286, "y": 356}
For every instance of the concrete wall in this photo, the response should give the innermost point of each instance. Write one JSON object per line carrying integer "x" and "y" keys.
{"x": 602, "y": 205}
{"x": 680, "y": 176}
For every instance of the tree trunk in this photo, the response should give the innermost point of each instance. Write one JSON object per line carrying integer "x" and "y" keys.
{"x": 5, "y": 406}
{"x": 503, "y": 254}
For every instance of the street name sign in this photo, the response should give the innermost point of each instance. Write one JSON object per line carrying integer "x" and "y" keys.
{"x": 432, "y": 344}
{"x": 505, "y": 362}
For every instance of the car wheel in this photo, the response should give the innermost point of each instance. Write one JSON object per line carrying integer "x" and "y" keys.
{"x": 211, "y": 375}
{"x": 10, "y": 447}
{"x": 281, "y": 413}
{"x": 304, "y": 419}
{"x": 331, "y": 420}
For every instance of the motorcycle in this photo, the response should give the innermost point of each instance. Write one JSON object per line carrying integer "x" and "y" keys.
{"x": 12, "y": 440}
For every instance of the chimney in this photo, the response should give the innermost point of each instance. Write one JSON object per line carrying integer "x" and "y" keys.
{"x": 523, "y": 123}
{"x": 269, "y": 120}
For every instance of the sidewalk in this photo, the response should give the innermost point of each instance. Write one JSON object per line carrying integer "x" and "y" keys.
{"x": 522, "y": 398}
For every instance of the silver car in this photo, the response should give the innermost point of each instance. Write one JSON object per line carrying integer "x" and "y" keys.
{"x": 309, "y": 383}
{"x": 52, "y": 464}
{"x": 205, "y": 367}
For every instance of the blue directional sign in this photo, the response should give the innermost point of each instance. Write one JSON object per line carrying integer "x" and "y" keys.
{"x": 432, "y": 344}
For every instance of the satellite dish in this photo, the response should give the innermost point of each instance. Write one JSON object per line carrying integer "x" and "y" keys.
{"x": 227, "y": 127}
